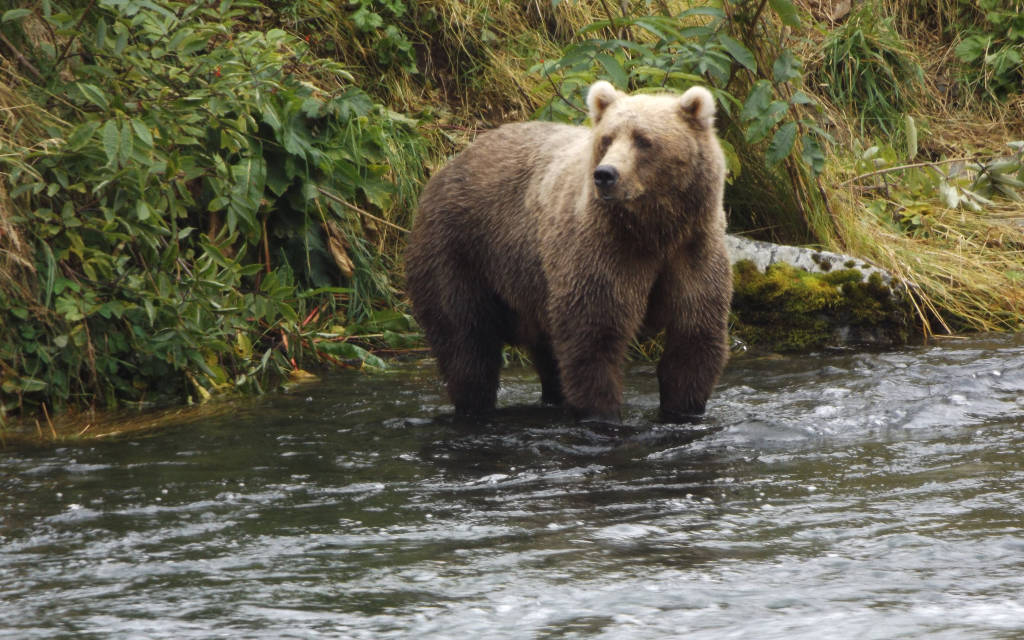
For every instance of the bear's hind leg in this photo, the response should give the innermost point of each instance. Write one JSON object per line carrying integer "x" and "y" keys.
{"x": 471, "y": 366}
{"x": 466, "y": 340}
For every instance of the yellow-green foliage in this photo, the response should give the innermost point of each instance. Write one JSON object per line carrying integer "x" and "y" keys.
{"x": 789, "y": 309}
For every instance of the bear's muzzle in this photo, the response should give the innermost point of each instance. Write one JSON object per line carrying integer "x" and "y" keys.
{"x": 605, "y": 178}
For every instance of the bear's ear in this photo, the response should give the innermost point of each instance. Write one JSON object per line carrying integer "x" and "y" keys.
{"x": 698, "y": 104}
{"x": 601, "y": 94}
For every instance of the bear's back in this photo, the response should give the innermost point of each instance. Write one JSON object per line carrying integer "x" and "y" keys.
{"x": 480, "y": 214}
{"x": 489, "y": 181}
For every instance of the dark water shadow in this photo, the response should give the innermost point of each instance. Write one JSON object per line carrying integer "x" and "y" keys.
{"x": 533, "y": 436}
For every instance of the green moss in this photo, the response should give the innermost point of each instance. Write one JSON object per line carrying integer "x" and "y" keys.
{"x": 789, "y": 309}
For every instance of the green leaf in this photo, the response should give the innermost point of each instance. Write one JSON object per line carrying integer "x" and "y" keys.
{"x": 350, "y": 351}
{"x": 366, "y": 20}
{"x": 93, "y": 94}
{"x": 126, "y": 142}
{"x": 142, "y": 133}
{"x": 142, "y": 210}
{"x": 270, "y": 117}
{"x": 15, "y": 14}
{"x": 378, "y": 192}
{"x": 786, "y": 12}
{"x": 111, "y": 141}
{"x": 759, "y": 129}
{"x": 786, "y": 67}
{"x": 386, "y": 319}
{"x": 714, "y": 12}
{"x": 68, "y": 307}
{"x": 811, "y": 154}
{"x": 26, "y": 385}
{"x": 799, "y": 97}
{"x": 1004, "y": 60}
{"x": 122, "y": 40}
{"x": 972, "y": 47}
{"x": 782, "y": 144}
{"x": 614, "y": 69}
{"x": 739, "y": 52}
{"x": 757, "y": 101}
{"x": 660, "y": 26}
{"x": 82, "y": 134}
{"x": 278, "y": 180}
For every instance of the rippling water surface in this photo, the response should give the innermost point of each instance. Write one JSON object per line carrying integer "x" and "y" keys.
{"x": 850, "y": 495}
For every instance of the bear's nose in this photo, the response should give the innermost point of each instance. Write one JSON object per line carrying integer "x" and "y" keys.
{"x": 605, "y": 176}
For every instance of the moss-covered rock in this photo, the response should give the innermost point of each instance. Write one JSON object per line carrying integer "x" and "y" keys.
{"x": 786, "y": 308}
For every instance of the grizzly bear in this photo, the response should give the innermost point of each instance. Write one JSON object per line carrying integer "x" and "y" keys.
{"x": 569, "y": 241}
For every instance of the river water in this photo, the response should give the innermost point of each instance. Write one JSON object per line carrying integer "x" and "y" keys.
{"x": 841, "y": 495}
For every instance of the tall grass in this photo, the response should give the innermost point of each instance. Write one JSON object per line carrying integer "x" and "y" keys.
{"x": 966, "y": 274}
{"x": 868, "y": 70}
{"x": 887, "y": 65}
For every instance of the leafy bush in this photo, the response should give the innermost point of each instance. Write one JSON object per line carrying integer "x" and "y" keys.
{"x": 991, "y": 45}
{"x": 206, "y": 187}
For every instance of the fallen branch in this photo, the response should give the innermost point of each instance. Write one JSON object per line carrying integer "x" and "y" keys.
{"x": 340, "y": 200}
{"x": 914, "y": 165}
{"x": 21, "y": 58}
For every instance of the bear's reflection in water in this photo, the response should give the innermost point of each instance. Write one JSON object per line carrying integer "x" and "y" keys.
{"x": 520, "y": 436}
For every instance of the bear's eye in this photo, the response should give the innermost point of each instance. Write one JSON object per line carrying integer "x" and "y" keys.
{"x": 642, "y": 141}
{"x": 606, "y": 141}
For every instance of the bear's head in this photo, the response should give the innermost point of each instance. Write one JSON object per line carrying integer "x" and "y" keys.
{"x": 653, "y": 149}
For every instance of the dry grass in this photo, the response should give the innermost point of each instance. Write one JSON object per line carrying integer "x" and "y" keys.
{"x": 966, "y": 268}
{"x": 21, "y": 127}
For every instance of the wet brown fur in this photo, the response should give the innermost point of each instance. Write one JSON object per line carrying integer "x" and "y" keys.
{"x": 514, "y": 243}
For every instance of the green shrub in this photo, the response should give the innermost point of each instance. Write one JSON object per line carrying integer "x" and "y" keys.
{"x": 991, "y": 45}
{"x": 201, "y": 214}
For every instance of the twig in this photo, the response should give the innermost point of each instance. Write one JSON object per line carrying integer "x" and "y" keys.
{"x": 21, "y": 58}
{"x": 266, "y": 245}
{"x": 309, "y": 318}
{"x": 755, "y": 19}
{"x": 49, "y": 422}
{"x": 558, "y": 92}
{"x": 914, "y": 165}
{"x": 360, "y": 211}
{"x": 71, "y": 41}
{"x": 611, "y": 20}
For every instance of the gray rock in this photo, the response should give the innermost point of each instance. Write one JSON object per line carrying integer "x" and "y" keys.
{"x": 771, "y": 324}
{"x": 763, "y": 254}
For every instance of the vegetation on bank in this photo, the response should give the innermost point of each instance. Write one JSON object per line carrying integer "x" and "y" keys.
{"x": 205, "y": 197}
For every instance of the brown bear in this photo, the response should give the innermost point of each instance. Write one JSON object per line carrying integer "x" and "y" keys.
{"x": 569, "y": 241}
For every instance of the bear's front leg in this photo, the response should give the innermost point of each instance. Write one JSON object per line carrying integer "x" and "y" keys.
{"x": 591, "y": 328}
{"x": 696, "y": 335}
{"x": 688, "y": 371}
